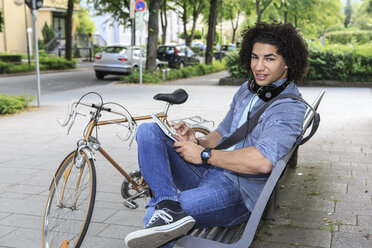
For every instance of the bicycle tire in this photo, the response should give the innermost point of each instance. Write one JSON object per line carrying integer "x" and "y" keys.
{"x": 60, "y": 218}
{"x": 200, "y": 130}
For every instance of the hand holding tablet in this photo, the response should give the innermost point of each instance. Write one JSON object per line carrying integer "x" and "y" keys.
{"x": 169, "y": 131}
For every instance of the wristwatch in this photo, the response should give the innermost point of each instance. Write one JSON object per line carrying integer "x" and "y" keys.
{"x": 205, "y": 155}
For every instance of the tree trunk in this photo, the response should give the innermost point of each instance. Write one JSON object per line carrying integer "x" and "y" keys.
{"x": 68, "y": 33}
{"x": 285, "y": 17}
{"x": 164, "y": 21}
{"x": 184, "y": 21}
{"x": 258, "y": 11}
{"x": 235, "y": 27}
{"x": 211, "y": 32}
{"x": 153, "y": 27}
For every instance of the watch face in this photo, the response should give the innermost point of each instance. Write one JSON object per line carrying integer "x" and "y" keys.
{"x": 205, "y": 154}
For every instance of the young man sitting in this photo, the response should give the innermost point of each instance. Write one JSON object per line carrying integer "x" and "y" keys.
{"x": 194, "y": 184}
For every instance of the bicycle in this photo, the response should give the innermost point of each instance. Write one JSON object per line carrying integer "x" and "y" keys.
{"x": 72, "y": 193}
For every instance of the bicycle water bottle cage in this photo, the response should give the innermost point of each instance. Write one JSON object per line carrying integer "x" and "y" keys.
{"x": 179, "y": 96}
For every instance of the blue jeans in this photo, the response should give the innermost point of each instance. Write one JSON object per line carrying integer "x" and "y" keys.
{"x": 204, "y": 191}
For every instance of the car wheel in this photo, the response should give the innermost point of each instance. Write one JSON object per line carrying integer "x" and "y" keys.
{"x": 100, "y": 75}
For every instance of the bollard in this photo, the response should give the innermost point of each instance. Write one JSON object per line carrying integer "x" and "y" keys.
{"x": 164, "y": 74}
{"x": 168, "y": 70}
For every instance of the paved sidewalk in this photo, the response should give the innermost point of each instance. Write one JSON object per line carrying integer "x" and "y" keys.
{"x": 326, "y": 201}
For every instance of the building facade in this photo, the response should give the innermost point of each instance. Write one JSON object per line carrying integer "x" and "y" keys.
{"x": 18, "y": 18}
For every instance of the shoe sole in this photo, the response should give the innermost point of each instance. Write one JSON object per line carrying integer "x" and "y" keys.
{"x": 157, "y": 236}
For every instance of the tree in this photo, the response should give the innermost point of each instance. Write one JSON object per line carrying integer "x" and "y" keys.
{"x": 164, "y": 20}
{"x": 1, "y": 21}
{"x": 348, "y": 12}
{"x": 233, "y": 9}
{"x": 362, "y": 17}
{"x": 68, "y": 31}
{"x": 260, "y": 10}
{"x": 47, "y": 32}
{"x": 153, "y": 27}
{"x": 84, "y": 24}
{"x": 212, "y": 21}
{"x": 118, "y": 9}
{"x": 190, "y": 9}
{"x": 369, "y": 7}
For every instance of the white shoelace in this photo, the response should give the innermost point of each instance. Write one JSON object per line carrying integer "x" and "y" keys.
{"x": 160, "y": 214}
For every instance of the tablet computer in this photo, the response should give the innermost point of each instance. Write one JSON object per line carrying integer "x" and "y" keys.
{"x": 165, "y": 128}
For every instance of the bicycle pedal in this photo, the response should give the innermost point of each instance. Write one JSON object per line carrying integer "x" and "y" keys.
{"x": 130, "y": 204}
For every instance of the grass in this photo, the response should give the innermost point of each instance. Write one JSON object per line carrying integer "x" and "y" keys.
{"x": 13, "y": 104}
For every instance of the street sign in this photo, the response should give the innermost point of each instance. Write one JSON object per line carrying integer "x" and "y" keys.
{"x": 140, "y": 5}
{"x": 38, "y": 3}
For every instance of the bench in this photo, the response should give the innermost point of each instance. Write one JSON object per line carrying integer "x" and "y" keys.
{"x": 242, "y": 235}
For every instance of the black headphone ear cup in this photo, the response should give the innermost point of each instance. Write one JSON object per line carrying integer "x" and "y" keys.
{"x": 252, "y": 86}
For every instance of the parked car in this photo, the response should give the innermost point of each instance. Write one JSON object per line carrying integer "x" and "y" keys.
{"x": 116, "y": 59}
{"x": 201, "y": 46}
{"x": 177, "y": 56}
{"x": 225, "y": 50}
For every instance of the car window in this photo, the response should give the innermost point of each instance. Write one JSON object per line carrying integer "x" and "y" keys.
{"x": 190, "y": 52}
{"x": 137, "y": 52}
{"x": 115, "y": 49}
{"x": 166, "y": 49}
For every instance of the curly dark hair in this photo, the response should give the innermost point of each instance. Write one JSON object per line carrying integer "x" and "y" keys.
{"x": 288, "y": 41}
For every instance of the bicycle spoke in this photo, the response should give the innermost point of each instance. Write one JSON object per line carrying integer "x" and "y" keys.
{"x": 66, "y": 219}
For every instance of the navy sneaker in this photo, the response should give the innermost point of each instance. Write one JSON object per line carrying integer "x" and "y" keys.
{"x": 163, "y": 226}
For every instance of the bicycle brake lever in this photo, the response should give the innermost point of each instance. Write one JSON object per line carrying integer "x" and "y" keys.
{"x": 75, "y": 113}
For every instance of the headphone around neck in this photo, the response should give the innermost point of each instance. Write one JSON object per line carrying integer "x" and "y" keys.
{"x": 267, "y": 92}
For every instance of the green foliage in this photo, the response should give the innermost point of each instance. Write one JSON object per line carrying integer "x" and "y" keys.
{"x": 232, "y": 65}
{"x": 48, "y": 33}
{"x": 348, "y": 10}
{"x": 14, "y": 58}
{"x": 1, "y": 21}
{"x": 362, "y": 18}
{"x": 84, "y": 23}
{"x": 47, "y": 62}
{"x": 12, "y": 104}
{"x": 189, "y": 71}
{"x": 4, "y": 66}
{"x": 147, "y": 77}
{"x": 336, "y": 62}
{"x": 347, "y": 37}
{"x": 52, "y": 62}
{"x": 116, "y": 8}
{"x": 345, "y": 63}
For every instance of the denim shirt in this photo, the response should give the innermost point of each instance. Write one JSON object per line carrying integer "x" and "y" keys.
{"x": 277, "y": 130}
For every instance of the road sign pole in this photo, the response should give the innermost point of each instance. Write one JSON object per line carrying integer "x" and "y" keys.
{"x": 140, "y": 42}
{"x": 34, "y": 19}
{"x": 140, "y": 6}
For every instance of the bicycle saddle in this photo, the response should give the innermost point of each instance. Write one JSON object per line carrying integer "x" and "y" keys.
{"x": 177, "y": 97}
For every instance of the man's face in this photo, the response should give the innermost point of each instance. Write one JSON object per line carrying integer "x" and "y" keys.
{"x": 267, "y": 65}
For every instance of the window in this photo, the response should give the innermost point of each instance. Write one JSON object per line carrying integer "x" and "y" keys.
{"x": 59, "y": 26}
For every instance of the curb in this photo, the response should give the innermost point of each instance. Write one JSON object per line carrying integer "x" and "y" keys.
{"x": 308, "y": 83}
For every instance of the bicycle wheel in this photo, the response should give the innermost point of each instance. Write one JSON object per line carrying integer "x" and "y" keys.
{"x": 70, "y": 203}
{"x": 200, "y": 131}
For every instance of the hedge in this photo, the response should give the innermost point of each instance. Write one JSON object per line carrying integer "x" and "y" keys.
{"x": 13, "y": 58}
{"x": 344, "y": 63}
{"x": 348, "y": 37}
{"x": 45, "y": 62}
{"x": 12, "y": 104}
{"x": 189, "y": 71}
{"x": 336, "y": 62}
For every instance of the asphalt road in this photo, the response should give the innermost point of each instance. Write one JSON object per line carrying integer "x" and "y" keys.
{"x": 51, "y": 82}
